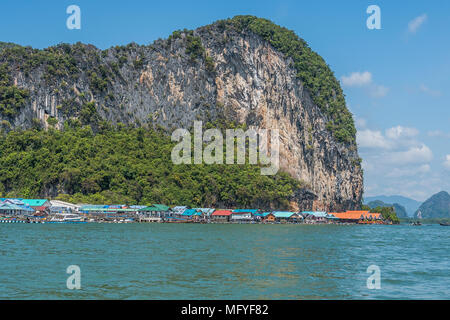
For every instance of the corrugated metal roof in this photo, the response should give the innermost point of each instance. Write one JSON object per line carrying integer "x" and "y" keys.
{"x": 179, "y": 208}
{"x": 363, "y": 212}
{"x": 262, "y": 214}
{"x": 4, "y": 199}
{"x": 245, "y": 210}
{"x": 317, "y": 214}
{"x": 348, "y": 215}
{"x": 137, "y": 207}
{"x": 87, "y": 207}
{"x": 356, "y": 215}
{"x": 189, "y": 212}
{"x": 13, "y": 201}
{"x": 12, "y": 206}
{"x": 207, "y": 211}
{"x": 161, "y": 207}
{"x": 156, "y": 207}
{"x": 59, "y": 203}
{"x": 9, "y": 206}
{"x": 283, "y": 214}
{"x": 34, "y": 202}
{"x": 222, "y": 213}
{"x": 109, "y": 209}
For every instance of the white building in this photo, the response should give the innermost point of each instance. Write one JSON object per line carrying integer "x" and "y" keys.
{"x": 57, "y": 206}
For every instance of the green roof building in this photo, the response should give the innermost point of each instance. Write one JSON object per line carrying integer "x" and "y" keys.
{"x": 36, "y": 202}
{"x": 156, "y": 208}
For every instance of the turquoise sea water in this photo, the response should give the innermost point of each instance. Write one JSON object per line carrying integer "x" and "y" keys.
{"x": 188, "y": 261}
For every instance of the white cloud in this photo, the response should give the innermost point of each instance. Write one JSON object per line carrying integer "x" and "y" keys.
{"x": 418, "y": 154}
{"x": 400, "y": 132}
{"x": 371, "y": 139}
{"x": 416, "y": 187}
{"x": 364, "y": 79}
{"x": 431, "y": 92}
{"x": 409, "y": 171}
{"x": 393, "y": 138}
{"x": 447, "y": 161}
{"x": 396, "y": 162}
{"x": 416, "y": 23}
{"x": 357, "y": 79}
{"x": 378, "y": 91}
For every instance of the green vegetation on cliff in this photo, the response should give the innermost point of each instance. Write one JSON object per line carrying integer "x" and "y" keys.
{"x": 11, "y": 97}
{"x": 311, "y": 69}
{"x": 5, "y": 45}
{"x": 194, "y": 47}
{"x": 59, "y": 61}
{"x": 127, "y": 165}
{"x": 65, "y": 61}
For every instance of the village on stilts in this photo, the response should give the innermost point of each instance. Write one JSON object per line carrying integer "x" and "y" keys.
{"x": 18, "y": 210}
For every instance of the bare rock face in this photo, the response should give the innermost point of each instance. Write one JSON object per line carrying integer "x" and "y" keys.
{"x": 233, "y": 76}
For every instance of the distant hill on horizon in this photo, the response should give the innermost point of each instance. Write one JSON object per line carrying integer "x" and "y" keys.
{"x": 410, "y": 205}
{"x": 400, "y": 210}
{"x": 437, "y": 206}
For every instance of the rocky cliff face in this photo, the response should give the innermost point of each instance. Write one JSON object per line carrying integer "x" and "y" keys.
{"x": 214, "y": 73}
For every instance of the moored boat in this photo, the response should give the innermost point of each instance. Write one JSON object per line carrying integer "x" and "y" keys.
{"x": 66, "y": 218}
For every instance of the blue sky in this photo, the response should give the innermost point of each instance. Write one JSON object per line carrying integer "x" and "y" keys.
{"x": 395, "y": 79}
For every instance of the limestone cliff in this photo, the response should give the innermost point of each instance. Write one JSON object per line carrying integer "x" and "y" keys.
{"x": 437, "y": 206}
{"x": 224, "y": 71}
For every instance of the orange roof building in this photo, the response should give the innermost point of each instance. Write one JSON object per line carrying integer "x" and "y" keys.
{"x": 348, "y": 215}
{"x": 222, "y": 213}
{"x": 357, "y": 215}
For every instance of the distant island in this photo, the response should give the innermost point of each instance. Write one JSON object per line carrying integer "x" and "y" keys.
{"x": 398, "y": 208}
{"x": 437, "y": 206}
{"x": 409, "y": 204}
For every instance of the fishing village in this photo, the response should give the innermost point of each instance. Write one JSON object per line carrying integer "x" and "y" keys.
{"x": 20, "y": 210}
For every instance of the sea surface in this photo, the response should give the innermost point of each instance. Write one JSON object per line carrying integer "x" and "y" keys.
{"x": 220, "y": 261}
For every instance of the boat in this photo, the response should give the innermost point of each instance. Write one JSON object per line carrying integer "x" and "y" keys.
{"x": 66, "y": 218}
{"x": 445, "y": 224}
{"x": 416, "y": 223}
